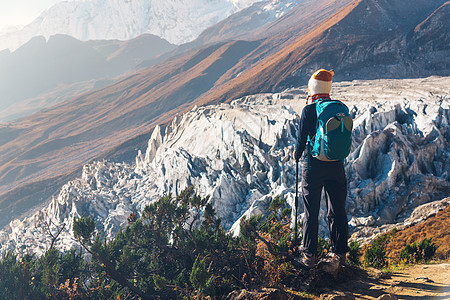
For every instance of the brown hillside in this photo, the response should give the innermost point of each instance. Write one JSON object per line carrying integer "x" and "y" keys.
{"x": 437, "y": 228}
{"x": 268, "y": 75}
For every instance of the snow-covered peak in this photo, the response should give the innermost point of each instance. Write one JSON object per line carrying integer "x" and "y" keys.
{"x": 177, "y": 21}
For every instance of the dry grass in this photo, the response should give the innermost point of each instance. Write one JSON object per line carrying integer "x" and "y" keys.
{"x": 437, "y": 228}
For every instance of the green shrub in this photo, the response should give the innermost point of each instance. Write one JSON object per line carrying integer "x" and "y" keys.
{"x": 17, "y": 277}
{"x": 200, "y": 278}
{"x": 427, "y": 248}
{"x": 408, "y": 253}
{"x": 271, "y": 237}
{"x": 176, "y": 249}
{"x": 413, "y": 253}
{"x": 354, "y": 254}
{"x": 51, "y": 276}
{"x": 375, "y": 255}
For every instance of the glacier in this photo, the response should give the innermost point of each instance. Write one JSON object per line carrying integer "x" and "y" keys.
{"x": 178, "y": 22}
{"x": 240, "y": 154}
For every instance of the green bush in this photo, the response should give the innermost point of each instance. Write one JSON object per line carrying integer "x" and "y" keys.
{"x": 176, "y": 249}
{"x": 354, "y": 254}
{"x": 17, "y": 277}
{"x": 53, "y": 275}
{"x": 200, "y": 278}
{"x": 272, "y": 240}
{"x": 413, "y": 253}
{"x": 407, "y": 254}
{"x": 375, "y": 254}
{"x": 427, "y": 248}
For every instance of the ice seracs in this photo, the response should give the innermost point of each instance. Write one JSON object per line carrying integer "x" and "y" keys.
{"x": 240, "y": 154}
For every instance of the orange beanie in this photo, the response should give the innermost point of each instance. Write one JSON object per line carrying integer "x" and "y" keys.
{"x": 320, "y": 82}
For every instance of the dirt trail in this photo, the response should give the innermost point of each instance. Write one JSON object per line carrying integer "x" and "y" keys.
{"x": 431, "y": 281}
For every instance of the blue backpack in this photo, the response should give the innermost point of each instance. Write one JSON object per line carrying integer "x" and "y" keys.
{"x": 334, "y": 126}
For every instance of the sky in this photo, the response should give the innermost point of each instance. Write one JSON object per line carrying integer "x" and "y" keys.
{"x": 22, "y": 12}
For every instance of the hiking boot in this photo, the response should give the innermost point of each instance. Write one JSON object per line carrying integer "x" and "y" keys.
{"x": 341, "y": 257}
{"x": 306, "y": 261}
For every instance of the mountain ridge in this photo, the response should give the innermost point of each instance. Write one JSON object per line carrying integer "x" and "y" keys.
{"x": 39, "y": 74}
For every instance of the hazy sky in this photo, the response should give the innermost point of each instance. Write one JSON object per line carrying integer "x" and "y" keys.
{"x": 22, "y": 12}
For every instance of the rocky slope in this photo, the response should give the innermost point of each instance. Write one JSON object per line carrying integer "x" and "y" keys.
{"x": 364, "y": 39}
{"x": 240, "y": 155}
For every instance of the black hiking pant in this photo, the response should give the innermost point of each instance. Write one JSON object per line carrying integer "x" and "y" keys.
{"x": 330, "y": 176}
